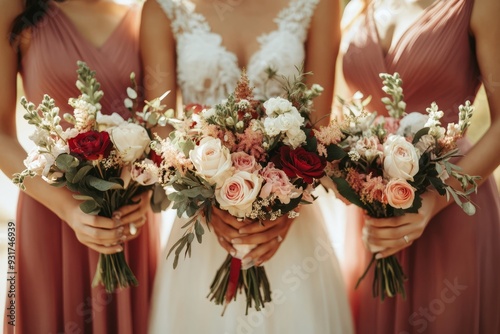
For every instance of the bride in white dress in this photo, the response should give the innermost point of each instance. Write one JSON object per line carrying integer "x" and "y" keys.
{"x": 213, "y": 41}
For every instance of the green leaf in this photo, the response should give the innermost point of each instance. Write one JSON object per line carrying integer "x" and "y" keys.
{"x": 83, "y": 197}
{"x": 419, "y": 134}
{"x": 66, "y": 162}
{"x": 90, "y": 207}
{"x": 101, "y": 184}
{"x": 199, "y": 230}
{"x": 335, "y": 152}
{"x": 345, "y": 190}
{"x": 81, "y": 173}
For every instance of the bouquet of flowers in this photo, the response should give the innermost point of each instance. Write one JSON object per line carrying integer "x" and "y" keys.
{"x": 94, "y": 158}
{"x": 257, "y": 160}
{"x": 385, "y": 164}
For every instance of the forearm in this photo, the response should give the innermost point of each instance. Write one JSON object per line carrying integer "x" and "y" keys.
{"x": 57, "y": 200}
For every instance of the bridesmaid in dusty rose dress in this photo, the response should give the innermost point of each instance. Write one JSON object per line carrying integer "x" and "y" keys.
{"x": 57, "y": 245}
{"x": 444, "y": 50}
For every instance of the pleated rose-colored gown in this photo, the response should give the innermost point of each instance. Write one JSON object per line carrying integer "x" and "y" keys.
{"x": 453, "y": 269}
{"x": 54, "y": 270}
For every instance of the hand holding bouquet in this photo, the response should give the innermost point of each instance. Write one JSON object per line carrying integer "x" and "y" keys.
{"x": 385, "y": 164}
{"x": 256, "y": 160}
{"x": 94, "y": 158}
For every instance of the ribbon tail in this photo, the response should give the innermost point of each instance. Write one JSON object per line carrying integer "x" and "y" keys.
{"x": 234, "y": 277}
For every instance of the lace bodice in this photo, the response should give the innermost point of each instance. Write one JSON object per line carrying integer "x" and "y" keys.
{"x": 207, "y": 72}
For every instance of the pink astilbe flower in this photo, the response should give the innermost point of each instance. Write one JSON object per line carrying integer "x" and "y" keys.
{"x": 373, "y": 189}
{"x": 330, "y": 134}
{"x": 355, "y": 179}
{"x": 251, "y": 142}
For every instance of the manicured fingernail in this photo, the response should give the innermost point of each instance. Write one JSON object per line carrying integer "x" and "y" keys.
{"x": 119, "y": 249}
{"x": 123, "y": 238}
{"x": 257, "y": 262}
{"x": 117, "y": 215}
{"x": 236, "y": 241}
{"x": 120, "y": 231}
{"x": 378, "y": 256}
{"x": 233, "y": 252}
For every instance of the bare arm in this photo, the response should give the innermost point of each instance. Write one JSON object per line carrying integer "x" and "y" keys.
{"x": 97, "y": 233}
{"x": 321, "y": 53}
{"x": 158, "y": 56}
{"x": 482, "y": 159}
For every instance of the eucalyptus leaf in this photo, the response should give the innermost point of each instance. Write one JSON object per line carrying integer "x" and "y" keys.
{"x": 101, "y": 184}
{"x": 90, "y": 207}
{"x": 66, "y": 162}
{"x": 81, "y": 173}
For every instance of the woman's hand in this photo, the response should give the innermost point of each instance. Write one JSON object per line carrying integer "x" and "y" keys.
{"x": 134, "y": 216}
{"x": 106, "y": 235}
{"x": 101, "y": 234}
{"x": 387, "y": 236}
{"x": 266, "y": 236}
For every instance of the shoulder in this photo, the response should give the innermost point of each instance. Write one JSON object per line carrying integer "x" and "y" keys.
{"x": 155, "y": 10}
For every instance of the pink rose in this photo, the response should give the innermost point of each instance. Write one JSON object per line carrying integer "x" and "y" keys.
{"x": 238, "y": 193}
{"x": 399, "y": 193}
{"x": 277, "y": 183}
{"x": 244, "y": 162}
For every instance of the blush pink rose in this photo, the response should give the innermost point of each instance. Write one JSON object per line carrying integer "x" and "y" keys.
{"x": 244, "y": 162}
{"x": 277, "y": 183}
{"x": 238, "y": 193}
{"x": 400, "y": 194}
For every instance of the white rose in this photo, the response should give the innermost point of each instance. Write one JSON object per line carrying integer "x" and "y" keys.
{"x": 400, "y": 158}
{"x": 211, "y": 159}
{"x": 238, "y": 193}
{"x": 109, "y": 121}
{"x": 130, "y": 140}
{"x": 411, "y": 123}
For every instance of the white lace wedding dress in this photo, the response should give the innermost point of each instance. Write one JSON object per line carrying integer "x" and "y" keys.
{"x": 308, "y": 291}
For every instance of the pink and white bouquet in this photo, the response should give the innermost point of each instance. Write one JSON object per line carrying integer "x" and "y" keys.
{"x": 257, "y": 160}
{"x": 385, "y": 164}
{"x": 94, "y": 158}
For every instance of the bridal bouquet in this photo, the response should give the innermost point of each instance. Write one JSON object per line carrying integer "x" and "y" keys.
{"x": 257, "y": 160}
{"x": 385, "y": 164}
{"x": 94, "y": 158}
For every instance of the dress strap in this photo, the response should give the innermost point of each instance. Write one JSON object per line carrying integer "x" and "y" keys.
{"x": 296, "y": 17}
{"x": 183, "y": 17}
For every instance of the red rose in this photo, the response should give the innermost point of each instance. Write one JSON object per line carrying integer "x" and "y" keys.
{"x": 155, "y": 157}
{"x": 301, "y": 163}
{"x": 91, "y": 145}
